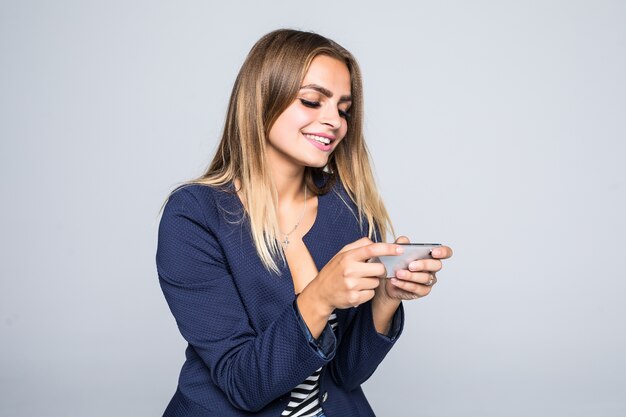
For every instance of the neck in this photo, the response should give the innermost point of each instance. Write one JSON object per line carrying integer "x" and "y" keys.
{"x": 289, "y": 185}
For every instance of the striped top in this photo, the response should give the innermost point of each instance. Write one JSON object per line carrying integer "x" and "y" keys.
{"x": 304, "y": 401}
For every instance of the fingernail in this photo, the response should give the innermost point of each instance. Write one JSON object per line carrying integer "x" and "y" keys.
{"x": 399, "y": 249}
{"x": 394, "y": 281}
{"x": 436, "y": 252}
{"x": 413, "y": 266}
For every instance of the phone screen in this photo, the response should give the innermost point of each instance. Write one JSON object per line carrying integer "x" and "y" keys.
{"x": 412, "y": 252}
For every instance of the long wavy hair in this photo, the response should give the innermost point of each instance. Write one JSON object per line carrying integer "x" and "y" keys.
{"x": 268, "y": 82}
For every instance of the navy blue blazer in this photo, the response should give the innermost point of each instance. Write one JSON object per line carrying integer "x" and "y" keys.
{"x": 248, "y": 347}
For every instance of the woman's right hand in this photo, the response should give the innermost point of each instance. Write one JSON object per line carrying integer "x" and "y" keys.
{"x": 347, "y": 280}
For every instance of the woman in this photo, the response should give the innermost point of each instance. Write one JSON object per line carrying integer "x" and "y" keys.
{"x": 264, "y": 259}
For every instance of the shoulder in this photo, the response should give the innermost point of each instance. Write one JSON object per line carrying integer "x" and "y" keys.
{"x": 197, "y": 210}
{"x": 189, "y": 233}
{"x": 204, "y": 203}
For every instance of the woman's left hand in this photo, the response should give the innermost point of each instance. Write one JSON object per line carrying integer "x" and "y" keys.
{"x": 417, "y": 281}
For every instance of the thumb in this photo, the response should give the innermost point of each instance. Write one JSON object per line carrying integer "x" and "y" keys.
{"x": 402, "y": 239}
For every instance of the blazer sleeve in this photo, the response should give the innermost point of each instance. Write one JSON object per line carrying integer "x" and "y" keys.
{"x": 362, "y": 348}
{"x": 251, "y": 367}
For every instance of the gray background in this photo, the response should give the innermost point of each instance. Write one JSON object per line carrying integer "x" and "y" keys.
{"x": 497, "y": 127}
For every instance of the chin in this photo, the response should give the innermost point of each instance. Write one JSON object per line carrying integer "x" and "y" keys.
{"x": 319, "y": 163}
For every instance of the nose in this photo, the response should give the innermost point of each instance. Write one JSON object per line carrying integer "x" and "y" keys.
{"x": 330, "y": 115}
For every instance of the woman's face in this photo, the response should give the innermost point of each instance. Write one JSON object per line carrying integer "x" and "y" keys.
{"x": 311, "y": 127}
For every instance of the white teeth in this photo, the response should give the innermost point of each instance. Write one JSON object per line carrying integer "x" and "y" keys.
{"x": 319, "y": 139}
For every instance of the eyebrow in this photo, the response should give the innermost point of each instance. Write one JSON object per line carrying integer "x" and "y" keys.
{"x": 326, "y": 92}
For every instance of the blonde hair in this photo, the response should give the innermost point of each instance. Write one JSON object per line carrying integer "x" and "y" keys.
{"x": 268, "y": 82}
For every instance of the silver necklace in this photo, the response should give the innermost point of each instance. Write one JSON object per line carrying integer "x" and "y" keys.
{"x": 286, "y": 240}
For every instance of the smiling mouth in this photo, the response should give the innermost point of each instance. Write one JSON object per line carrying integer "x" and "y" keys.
{"x": 321, "y": 139}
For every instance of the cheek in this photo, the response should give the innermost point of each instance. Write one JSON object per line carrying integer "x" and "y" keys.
{"x": 344, "y": 130}
{"x": 291, "y": 120}
{"x": 342, "y": 134}
{"x": 301, "y": 117}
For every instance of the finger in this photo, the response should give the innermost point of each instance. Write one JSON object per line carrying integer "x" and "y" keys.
{"x": 376, "y": 249}
{"x": 363, "y": 270}
{"x": 402, "y": 239}
{"x": 355, "y": 298}
{"x": 366, "y": 284}
{"x": 431, "y": 265}
{"x": 423, "y": 278}
{"x": 363, "y": 297}
{"x": 442, "y": 252}
{"x": 406, "y": 295}
{"x": 371, "y": 270}
{"x": 420, "y": 290}
{"x": 364, "y": 241}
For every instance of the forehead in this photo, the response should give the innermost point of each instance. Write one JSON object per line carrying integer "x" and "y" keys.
{"x": 329, "y": 73}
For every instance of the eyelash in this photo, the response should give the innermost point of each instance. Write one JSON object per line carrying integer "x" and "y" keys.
{"x": 316, "y": 104}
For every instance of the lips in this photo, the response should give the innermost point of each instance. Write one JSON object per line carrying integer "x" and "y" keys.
{"x": 321, "y": 141}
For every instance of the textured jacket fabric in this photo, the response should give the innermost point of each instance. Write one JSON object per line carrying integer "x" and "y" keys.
{"x": 247, "y": 344}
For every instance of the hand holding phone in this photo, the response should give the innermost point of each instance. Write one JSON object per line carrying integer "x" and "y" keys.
{"x": 412, "y": 252}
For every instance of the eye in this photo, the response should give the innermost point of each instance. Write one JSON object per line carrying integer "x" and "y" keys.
{"x": 316, "y": 104}
{"x": 311, "y": 104}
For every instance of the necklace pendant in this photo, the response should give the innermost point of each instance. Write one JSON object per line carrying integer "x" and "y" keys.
{"x": 285, "y": 242}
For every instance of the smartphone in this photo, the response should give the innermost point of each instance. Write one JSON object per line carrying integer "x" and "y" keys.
{"x": 412, "y": 252}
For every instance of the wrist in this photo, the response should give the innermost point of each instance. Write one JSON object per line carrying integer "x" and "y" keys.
{"x": 313, "y": 304}
{"x": 383, "y": 310}
{"x": 383, "y": 302}
{"x": 382, "y": 298}
{"x": 314, "y": 312}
